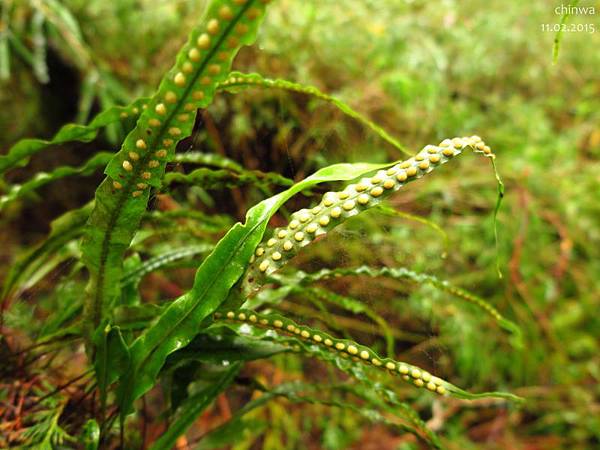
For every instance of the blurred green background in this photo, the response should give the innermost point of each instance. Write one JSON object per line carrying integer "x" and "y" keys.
{"x": 425, "y": 71}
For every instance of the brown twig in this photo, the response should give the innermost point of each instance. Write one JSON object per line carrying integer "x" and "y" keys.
{"x": 64, "y": 386}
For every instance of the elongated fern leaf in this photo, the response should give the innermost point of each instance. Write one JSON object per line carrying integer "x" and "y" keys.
{"x": 42, "y": 178}
{"x": 402, "y": 273}
{"x": 121, "y": 199}
{"x": 307, "y": 224}
{"x": 18, "y": 155}
{"x": 238, "y": 80}
{"x": 329, "y": 348}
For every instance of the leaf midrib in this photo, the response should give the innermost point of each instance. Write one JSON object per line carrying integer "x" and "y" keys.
{"x": 124, "y": 193}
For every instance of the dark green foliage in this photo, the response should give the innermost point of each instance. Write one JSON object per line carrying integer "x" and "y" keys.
{"x": 178, "y": 317}
{"x": 215, "y": 277}
{"x": 64, "y": 229}
{"x": 89, "y": 167}
{"x": 20, "y": 153}
{"x": 238, "y": 81}
{"x": 401, "y": 273}
{"x": 192, "y": 408}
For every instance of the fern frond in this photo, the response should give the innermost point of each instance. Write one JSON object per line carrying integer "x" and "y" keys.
{"x": 336, "y": 207}
{"x": 329, "y": 348}
{"x": 402, "y": 273}
{"x": 238, "y": 80}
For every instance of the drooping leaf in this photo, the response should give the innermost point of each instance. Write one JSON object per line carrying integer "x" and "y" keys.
{"x": 18, "y": 155}
{"x": 208, "y": 159}
{"x": 238, "y": 80}
{"x": 294, "y": 285}
{"x": 217, "y": 348}
{"x": 335, "y": 207}
{"x": 226, "y": 179}
{"x": 385, "y": 399}
{"x": 402, "y": 273}
{"x": 221, "y": 162}
{"x": 64, "y": 229}
{"x": 347, "y": 354}
{"x": 320, "y": 394}
{"x": 559, "y": 34}
{"x": 357, "y": 307}
{"x": 42, "y": 178}
{"x": 207, "y": 222}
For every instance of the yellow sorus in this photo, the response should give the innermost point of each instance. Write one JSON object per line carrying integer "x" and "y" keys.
{"x": 376, "y": 191}
{"x": 170, "y": 97}
{"x": 194, "y": 54}
{"x": 213, "y": 26}
{"x": 203, "y": 41}
{"x": 324, "y": 221}
{"x": 363, "y": 199}
{"x": 349, "y": 205}
{"x": 179, "y": 79}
